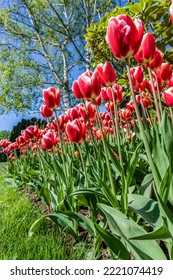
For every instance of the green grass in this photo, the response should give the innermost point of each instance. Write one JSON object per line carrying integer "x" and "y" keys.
{"x": 17, "y": 213}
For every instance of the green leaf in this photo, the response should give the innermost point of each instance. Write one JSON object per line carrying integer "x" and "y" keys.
{"x": 136, "y": 8}
{"x": 147, "y": 208}
{"x": 161, "y": 233}
{"x": 113, "y": 243}
{"x": 81, "y": 220}
{"x": 126, "y": 228}
{"x": 59, "y": 219}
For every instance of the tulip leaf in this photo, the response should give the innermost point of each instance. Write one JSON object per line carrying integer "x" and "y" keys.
{"x": 147, "y": 208}
{"x": 59, "y": 219}
{"x": 126, "y": 228}
{"x": 81, "y": 220}
{"x": 113, "y": 243}
{"x": 161, "y": 233}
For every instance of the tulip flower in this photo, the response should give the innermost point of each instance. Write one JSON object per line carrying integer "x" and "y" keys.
{"x": 168, "y": 97}
{"x": 125, "y": 114}
{"x": 164, "y": 72}
{"x": 4, "y": 143}
{"x": 170, "y": 81}
{"x": 76, "y": 90}
{"x": 76, "y": 131}
{"x": 137, "y": 75}
{"x": 46, "y": 111}
{"x": 157, "y": 60}
{"x": 89, "y": 85}
{"x": 130, "y": 106}
{"x": 147, "y": 49}
{"x": 106, "y": 73}
{"x": 31, "y": 132}
{"x": 72, "y": 114}
{"x": 91, "y": 110}
{"x": 49, "y": 140}
{"x": 116, "y": 92}
{"x": 146, "y": 100}
{"x": 124, "y": 36}
{"x": 51, "y": 97}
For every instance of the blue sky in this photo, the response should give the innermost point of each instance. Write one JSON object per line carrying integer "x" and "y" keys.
{"x": 8, "y": 121}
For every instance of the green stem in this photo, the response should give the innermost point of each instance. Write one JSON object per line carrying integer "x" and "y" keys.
{"x": 155, "y": 95}
{"x": 107, "y": 159}
{"x": 146, "y": 144}
{"x": 83, "y": 165}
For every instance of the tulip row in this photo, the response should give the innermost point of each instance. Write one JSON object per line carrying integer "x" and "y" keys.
{"x": 107, "y": 161}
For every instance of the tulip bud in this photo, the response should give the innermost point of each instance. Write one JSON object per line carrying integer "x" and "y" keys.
{"x": 51, "y": 97}
{"x": 147, "y": 49}
{"x": 124, "y": 36}
{"x": 106, "y": 73}
{"x": 46, "y": 111}
{"x": 76, "y": 154}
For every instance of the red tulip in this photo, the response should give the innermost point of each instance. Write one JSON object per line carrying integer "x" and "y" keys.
{"x": 72, "y": 114}
{"x": 76, "y": 131}
{"x": 157, "y": 60}
{"x": 124, "y": 36}
{"x": 31, "y": 132}
{"x": 46, "y": 111}
{"x": 4, "y": 143}
{"x": 146, "y": 100}
{"x": 147, "y": 49}
{"x": 137, "y": 75}
{"x": 125, "y": 114}
{"x": 106, "y": 73}
{"x": 82, "y": 111}
{"x": 103, "y": 94}
{"x": 76, "y": 90}
{"x": 49, "y": 140}
{"x": 164, "y": 72}
{"x": 130, "y": 106}
{"x": 168, "y": 97}
{"x": 117, "y": 92}
{"x": 91, "y": 110}
{"x": 88, "y": 86}
{"x": 51, "y": 97}
{"x": 170, "y": 81}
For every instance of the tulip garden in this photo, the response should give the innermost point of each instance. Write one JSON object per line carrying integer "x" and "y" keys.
{"x": 104, "y": 168}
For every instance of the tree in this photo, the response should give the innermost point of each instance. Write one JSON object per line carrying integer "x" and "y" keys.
{"x": 23, "y": 124}
{"x": 42, "y": 45}
{"x": 4, "y": 134}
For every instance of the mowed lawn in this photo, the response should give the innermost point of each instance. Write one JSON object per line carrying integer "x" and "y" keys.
{"x": 17, "y": 213}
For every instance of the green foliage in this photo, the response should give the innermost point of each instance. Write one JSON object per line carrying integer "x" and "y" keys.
{"x": 155, "y": 15}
